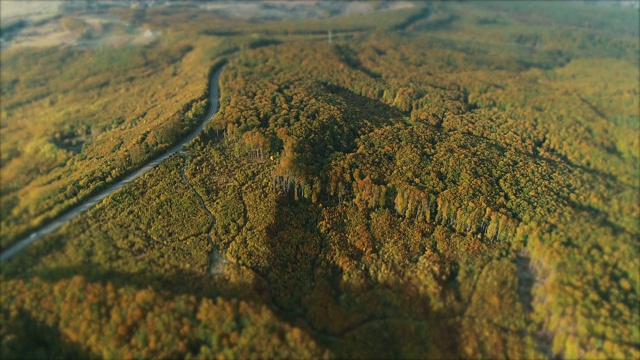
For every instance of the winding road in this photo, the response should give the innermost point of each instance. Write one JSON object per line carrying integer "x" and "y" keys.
{"x": 95, "y": 199}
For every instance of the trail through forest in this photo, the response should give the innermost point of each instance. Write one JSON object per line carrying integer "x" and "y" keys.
{"x": 94, "y": 200}
{"x": 216, "y": 261}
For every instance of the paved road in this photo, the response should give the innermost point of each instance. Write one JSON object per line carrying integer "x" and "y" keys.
{"x": 95, "y": 199}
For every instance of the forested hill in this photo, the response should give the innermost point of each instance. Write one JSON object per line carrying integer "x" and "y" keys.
{"x": 463, "y": 184}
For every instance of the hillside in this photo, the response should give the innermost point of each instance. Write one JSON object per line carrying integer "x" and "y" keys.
{"x": 443, "y": 181}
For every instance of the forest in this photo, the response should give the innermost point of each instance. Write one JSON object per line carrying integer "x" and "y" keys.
{"x": 451, "y": 180}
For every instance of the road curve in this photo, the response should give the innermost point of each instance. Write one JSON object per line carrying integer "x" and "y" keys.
{"x": 95, "y": 199}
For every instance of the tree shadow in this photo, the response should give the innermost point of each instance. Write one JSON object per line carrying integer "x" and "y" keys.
{"x": 376, "y": 111}
{"x": 28, "y": 338}
{"x": 350, "y": 58}
{"x": 526, "y": 279}
{"x": 303, "y": 285}
{"x": 382, "y": 319}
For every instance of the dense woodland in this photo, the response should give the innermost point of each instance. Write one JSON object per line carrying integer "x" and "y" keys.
{"x": 459, "y": 180}
{"x": 75, "y": 120}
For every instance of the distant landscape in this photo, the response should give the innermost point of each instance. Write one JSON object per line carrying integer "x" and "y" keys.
{"x": 380, "y": 179}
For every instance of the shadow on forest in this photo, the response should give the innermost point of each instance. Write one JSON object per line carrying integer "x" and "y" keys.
{"x": 373, "y": 110}
{"x": 350, "y": 58}
{"x": 371, "y": 320}
{"x": 425, "y": 13}
{"x": 427, "y": 24}
{"x": 526, "y": 280}
{"x": 303, "y": 285}
{"x": 320, "y": 137}
{"x": 179, "y": 282}
{"x": 610, "y": 180}
{"x": 37, "y": 340}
